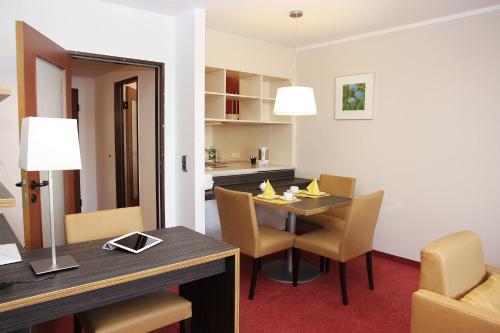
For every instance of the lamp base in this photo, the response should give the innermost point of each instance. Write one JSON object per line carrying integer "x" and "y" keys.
{"x": 45, "y": 266}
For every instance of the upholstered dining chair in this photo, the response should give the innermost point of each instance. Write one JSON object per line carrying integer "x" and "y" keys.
{"x": 343, "y": 242}
{"x": 458, "y": 292}
{"x": 141, "y": 314}
{"x": 239, "y": 227}
{"x": 334, "y": 185}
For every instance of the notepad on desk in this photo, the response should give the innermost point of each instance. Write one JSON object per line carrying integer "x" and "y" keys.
{"x": 9, "y": 254}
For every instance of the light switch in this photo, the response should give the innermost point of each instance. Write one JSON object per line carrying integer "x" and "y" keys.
{"x": 184, "y": 167}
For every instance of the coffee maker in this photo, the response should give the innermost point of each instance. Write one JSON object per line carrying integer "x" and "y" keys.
{"x": 263, "y": 156}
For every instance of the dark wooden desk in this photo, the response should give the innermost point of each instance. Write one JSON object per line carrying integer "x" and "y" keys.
{"x": 206, "y": 270}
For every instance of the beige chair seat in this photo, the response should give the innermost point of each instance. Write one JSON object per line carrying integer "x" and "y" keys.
{"x": 322, "y": 242}
{"x": 273, "y": 240}
{"x": 323, "y": 220}
{"x": 141, "y": 314}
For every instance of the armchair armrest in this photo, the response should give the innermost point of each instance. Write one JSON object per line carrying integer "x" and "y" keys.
{"x": 491, "y": 269}
{"x": 434, "y": 313}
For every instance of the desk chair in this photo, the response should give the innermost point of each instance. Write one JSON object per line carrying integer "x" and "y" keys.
{"x": 344, "y": 242}
{"x": 239, "y": 227}
{"x": 334, "y": 217}
{"x": 141, "y": 314}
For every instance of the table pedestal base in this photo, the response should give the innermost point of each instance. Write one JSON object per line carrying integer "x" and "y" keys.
{"x": 277, "y": 270}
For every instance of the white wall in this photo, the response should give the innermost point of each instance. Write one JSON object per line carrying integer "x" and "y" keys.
{"x": 190, "y": 107}
{"x": 435, "y": 141}
{"x": 90, "y": 26}
{"x": 224, "y": 50}
{"x": 87, "y": 135}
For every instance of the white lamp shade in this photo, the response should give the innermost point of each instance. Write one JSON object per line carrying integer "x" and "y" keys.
{"x": 49, "y": 144}
{"x": 295, "y": 101}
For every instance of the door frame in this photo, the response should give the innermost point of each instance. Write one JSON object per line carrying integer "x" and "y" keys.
{"x": 120, "y": 170}
{"x": 159, "y": 68}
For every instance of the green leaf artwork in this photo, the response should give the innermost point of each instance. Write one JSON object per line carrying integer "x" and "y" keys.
{"x": 353, "y": 97}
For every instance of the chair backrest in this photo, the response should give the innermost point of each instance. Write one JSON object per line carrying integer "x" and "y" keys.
{"x": 102, "y": 224}
{"x": 339, "y": 186}
{"x": 452, "y": 265}
{"x": 238, "y": 220}
{"x": 357, "y": 236}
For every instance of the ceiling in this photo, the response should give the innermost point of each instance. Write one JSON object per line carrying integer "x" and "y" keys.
{"x": 323, "y": 20}
{"x": 93, "y": 69}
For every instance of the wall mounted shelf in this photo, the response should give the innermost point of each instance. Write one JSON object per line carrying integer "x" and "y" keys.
{"x": 216, "y": 121}
{"x": 4, "y": 92}
{"x": 250, "y": 95}
{"x": 6, "y": 198}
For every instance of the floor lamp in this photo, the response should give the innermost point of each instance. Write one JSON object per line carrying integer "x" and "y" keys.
{"x": 50, "y": 144}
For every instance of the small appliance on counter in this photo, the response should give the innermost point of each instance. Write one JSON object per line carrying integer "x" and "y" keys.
{"x": 263, "y": 156}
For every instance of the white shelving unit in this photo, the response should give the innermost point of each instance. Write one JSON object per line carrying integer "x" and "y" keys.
{"x": 254, "y": 99}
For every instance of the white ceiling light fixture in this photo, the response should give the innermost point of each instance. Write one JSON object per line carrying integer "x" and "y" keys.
{"x": 295, "y": 100}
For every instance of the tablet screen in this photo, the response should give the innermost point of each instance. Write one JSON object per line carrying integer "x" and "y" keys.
{"x": 136, "y": 241}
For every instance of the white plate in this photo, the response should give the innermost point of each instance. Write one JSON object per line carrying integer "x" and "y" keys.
{"x": 283, "y": 198}
{"x": 272, "y": 198}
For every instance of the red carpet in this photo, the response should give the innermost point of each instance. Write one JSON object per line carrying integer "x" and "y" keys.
{"x": 316, "y": 306}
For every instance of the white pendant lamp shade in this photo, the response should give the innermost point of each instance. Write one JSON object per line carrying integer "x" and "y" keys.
{"x": 295, "y": 101}
{"x": 49, "y": 144}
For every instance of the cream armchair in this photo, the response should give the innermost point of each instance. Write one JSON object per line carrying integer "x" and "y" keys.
{"x": 451, "y": 267}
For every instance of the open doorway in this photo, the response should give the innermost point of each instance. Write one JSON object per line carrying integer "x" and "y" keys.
{"x": 127, "y": 142}
{"x": 121, "y": 135}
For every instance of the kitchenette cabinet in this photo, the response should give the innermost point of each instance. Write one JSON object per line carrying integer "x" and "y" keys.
{"x": 239, "y": 120}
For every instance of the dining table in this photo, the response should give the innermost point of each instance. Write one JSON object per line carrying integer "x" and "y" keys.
{"x": 281, "y": 270}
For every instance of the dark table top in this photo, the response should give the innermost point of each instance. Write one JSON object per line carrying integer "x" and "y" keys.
{"x": 181, "y": 247}
{"x": 307, "y": 206}
{"x": 279, "y": 184}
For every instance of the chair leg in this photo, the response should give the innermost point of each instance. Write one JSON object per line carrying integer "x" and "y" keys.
{"x": 77, "y": 327}
{"x": 286, "y": 254}
{"x": 255, "y": 268}
{"x": 260, "y": 263}
{"x": 343, "y": 284}
{"x": 185, "y": 326}
{"x": 321, "y": 264}
{"x": 295, "y": 266}
{"x": 369, "y": 269}
{"x": 327, "y": 265}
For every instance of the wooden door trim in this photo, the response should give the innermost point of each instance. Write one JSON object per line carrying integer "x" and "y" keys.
{"x": 159, "y": 68}
{"x": 43, "y": 48}
{"x": 119, "y": 144}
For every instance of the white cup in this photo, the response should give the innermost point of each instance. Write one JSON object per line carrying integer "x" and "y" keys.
{"x": 294, "y": 189}
{"x": 288, "y": 196}
{"x": 262, "y": 186}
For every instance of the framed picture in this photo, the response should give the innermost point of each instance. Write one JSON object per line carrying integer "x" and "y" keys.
{"x": 354, "y": 96}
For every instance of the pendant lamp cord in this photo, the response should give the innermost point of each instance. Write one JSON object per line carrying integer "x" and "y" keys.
{"x": 292, "y": 70}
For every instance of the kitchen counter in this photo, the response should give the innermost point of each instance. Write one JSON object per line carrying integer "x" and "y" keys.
{"x": 240, "y": 168}
{"x": 280, "y": 179}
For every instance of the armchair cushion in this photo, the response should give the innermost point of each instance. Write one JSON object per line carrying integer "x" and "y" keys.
{"x": 453, "y": 265}
{"x": 486, "y": 296}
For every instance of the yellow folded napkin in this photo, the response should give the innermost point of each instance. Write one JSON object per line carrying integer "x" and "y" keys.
{"x": 313, "y": 188}
{"x": 269, "y": 190}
